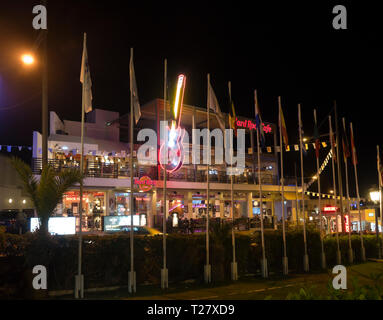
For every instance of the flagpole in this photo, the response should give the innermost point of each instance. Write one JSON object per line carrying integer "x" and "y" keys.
{"x": 234, "y": 266}
{"x": 44, "y": 95}
{"x": 340, "y": 180}
{"x": 265, "y": 272}
{"x": 164, "y": 270}
{"x": 132, "y": 274}
{"x": 350, "y": 252}
{"x": 306, "y": 266}
{"x": 207, "y": 268}
{"x": 79, "y": 281}
{"x": 338, "y": 253}
{"x": 363, "y": 252}
{"x": 284, "y": 259}
{"x": 323, "y": 256}
{"x": 296, "y": 194}
{"x": 380, "y": 194}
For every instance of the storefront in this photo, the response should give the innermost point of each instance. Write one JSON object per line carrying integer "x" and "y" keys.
{"x": 368, "y": 220}
{"x": 93, "y": 207}
{"x": 333, "y": 220}
{"x": 142, "y": 205}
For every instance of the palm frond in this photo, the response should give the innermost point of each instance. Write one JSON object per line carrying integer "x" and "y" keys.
{"x": 47, "y": 192}
{"x": 28, "y": 179}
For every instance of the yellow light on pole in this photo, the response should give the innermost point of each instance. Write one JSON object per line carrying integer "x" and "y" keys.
{"x": 179, "y": 95}
{"x": 375, "y": 196}
{"x": 27, "y": 59}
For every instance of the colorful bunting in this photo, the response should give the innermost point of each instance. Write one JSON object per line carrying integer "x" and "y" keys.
{"x": 9, "y": 147}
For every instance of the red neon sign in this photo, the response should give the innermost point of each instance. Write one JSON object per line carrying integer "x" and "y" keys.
{"x": 331, "y": 209}
{"x": 347, "y": 223}
{"x": 144, "y": 183}
{"x": 172, "y": 154}
{"x": 252, "y": 126}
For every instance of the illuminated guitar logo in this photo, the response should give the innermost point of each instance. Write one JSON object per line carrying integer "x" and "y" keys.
{"x": 172, "y": 154}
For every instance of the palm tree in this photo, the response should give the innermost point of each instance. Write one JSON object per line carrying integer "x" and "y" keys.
{"x": 47, "y": 192}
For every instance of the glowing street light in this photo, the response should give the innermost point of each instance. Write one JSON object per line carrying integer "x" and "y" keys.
{"x": 27, "y": 59}
{"x": 375, "y": 196}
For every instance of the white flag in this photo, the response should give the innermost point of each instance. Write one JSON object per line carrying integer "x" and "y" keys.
{"x": 136, "y": 103}
{"x": 213, "y": 105}
{"x": 85, "y": 79}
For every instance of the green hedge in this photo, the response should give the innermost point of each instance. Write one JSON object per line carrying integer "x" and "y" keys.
{"x": 106, "y": 259}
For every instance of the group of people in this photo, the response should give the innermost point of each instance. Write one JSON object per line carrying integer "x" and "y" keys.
{"x": 185, "y": 225}
{"x": 190, "y": 226}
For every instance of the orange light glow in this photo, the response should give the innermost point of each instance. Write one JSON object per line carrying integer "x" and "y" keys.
{"x": 27, "y": 59}
{"x": 179, "y": 95}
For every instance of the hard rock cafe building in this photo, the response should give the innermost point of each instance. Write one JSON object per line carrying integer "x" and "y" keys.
{"x": 107, "y": 184}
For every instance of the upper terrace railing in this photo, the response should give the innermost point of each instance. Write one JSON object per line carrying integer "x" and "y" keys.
{"x": 187, "y": 173}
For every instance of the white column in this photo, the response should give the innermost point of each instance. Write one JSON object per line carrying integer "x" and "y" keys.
{"x": 106, "y": 202}
{"x": 190, "y": 205}
{"x": 221, "y": 206}
{"x": 152, "y": 209}
{"x": 273, "y": 213}
{"x": 166, "y": 213}
{"x": 250, "y": 205}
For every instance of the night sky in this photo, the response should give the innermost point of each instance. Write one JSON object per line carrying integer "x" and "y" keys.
{"x": 282, "y": 49}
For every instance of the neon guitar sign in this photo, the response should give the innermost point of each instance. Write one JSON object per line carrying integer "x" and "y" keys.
{"x": 172, "y": 154}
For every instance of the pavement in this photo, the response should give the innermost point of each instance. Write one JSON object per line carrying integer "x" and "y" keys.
{"x": 277, "y": 287}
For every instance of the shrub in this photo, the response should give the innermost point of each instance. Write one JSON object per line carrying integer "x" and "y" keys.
{"x": 106, "y": 259}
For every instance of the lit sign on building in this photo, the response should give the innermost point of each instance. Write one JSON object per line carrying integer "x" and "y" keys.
{"x": 330, "y": 209}
{"x": 172, "y": 154}
{"x": 56, "y": 225}
{"x": 347, "y": 223}
{"x": 122, "y": 223}
{"x": 144, "y": 183}
{"x": 252, "y": 125}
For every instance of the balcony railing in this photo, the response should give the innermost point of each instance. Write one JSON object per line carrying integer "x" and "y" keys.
{"x": 187, "y": 173}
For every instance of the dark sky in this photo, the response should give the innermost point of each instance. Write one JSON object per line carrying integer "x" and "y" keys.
{"x": 287, "y": 49}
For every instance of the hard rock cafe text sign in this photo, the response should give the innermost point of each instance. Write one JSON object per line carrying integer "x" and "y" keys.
{"x": 144, "y": 183}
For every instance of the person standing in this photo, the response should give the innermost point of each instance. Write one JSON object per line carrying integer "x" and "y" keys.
{"x": 21, "y": 221}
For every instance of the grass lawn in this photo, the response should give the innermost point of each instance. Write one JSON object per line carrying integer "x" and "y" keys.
{"x": 276, "y": 287}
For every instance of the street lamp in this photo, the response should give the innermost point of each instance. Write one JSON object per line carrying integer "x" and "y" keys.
{"x": 27, "y": 59}
{"x": 375, "y": 198}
